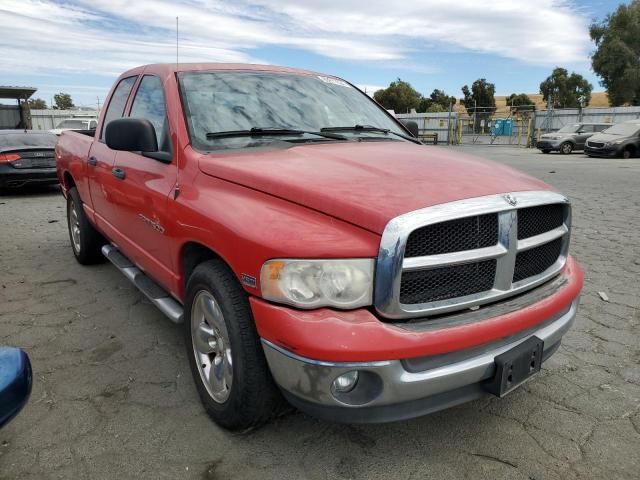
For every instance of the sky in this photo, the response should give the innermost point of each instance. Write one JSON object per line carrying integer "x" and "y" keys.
{"x": 81, "y": 46}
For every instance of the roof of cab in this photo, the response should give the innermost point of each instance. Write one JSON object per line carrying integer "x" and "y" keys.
{"x": 167, "y": 68}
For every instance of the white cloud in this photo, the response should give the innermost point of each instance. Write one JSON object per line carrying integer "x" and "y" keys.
{"x": 105, "y": 37}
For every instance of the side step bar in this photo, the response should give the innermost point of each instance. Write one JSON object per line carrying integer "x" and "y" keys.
{"x": 154, "y": 292}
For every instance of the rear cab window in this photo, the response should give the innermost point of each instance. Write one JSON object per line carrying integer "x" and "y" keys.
{"x": 118, "y": 102}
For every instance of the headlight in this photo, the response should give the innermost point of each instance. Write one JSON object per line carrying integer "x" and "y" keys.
{"x": 615, "y": 142}
{"x": 344, "y": 283}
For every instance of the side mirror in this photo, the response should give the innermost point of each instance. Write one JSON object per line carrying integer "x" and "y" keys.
{"x": 411, "y": 126}
{"x": 131, "y": 135}
{"x": 15, "y": 382}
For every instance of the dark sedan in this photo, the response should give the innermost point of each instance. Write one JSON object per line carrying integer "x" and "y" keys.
{"x": 27, "y": 157}
{"x": 621, "y": 140}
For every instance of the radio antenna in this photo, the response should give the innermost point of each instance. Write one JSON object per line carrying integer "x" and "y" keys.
{"x": 177, "y": 41}
{"x": 176, "y": 189}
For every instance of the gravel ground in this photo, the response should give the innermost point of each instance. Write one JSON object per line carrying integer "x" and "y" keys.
{"x": 113, "y": 396}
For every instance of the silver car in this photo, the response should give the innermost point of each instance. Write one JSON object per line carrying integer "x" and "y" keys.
{"x": 570, "y": 137}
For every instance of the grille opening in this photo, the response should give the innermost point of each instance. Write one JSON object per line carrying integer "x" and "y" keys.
{"x": 537, "y": 260}
{"x": 533, "y": 221}
{"x": 453, "y": 236}
{"x": 424, "y": 286}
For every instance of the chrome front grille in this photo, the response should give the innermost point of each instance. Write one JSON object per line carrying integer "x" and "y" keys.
{"x": 533, "y": 221}
{"x": 466, "y": 253}
{"x": 432, "y": 285}
{"x": 456, "y": 235}
{"x": 536, "y": 260}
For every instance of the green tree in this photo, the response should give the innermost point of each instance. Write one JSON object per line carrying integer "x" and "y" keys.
{"x": 566, "y": 91}
{"x": 400, "y": 97}
{"x": 436, "y": 108}
{"x": 62, "y": 101}
{"x": 520, "y": 102}
{"x": 37, "y": 104}
{"x": 438, "y": 101}
{"x": 480, "y": 102}
{"x": 617, "y": 57}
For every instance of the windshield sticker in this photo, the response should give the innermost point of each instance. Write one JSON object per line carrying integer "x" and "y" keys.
{"x": 334, "y": 81}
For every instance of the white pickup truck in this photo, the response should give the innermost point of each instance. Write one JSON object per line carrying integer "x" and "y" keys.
{"x": 84, "y": 123}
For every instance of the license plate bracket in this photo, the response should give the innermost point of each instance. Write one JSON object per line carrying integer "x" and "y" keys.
{"x": 515, "y": 366}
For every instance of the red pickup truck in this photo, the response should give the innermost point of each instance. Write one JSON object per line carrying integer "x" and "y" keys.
{"x": 313, "y": 248}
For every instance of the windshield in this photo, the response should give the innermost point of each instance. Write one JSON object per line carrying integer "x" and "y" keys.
{"x": 75, "y": 124}
{"x": 626, "y": 129}
{"x": 30, "y": 139}
{"x": 232, "y": 101}
{"x": 570, "y": 128}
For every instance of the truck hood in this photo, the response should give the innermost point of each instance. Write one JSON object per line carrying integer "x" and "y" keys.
{"x": 366, "y": 183}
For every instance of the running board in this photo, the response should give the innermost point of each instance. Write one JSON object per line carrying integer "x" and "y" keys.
{"x": 154, "y": 292}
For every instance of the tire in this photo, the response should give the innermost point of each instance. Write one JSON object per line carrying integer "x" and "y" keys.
{"x": 219, "y": 330}
{"x": 86, "y": 241}
{"x": 546, "y": 151}
{"x": 566, "y": 148}
{"x": 628, "y": 153}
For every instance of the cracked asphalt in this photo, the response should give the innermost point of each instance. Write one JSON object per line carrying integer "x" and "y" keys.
{"x": 113, "y": 396}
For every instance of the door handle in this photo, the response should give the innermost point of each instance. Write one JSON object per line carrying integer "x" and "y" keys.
{"x": 93, "y": 161}
{"x": 118, "y": 173}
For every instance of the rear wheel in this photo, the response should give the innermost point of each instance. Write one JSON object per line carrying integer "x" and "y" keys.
{"x": 86, "y": 241}
{"x": 225, "y": 353}
{"x": 546, "y": 151}
{"x": 566, "y": 148}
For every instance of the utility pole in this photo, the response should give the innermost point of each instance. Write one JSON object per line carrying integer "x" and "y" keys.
{"x": 449, "y": 142}
{"x": 475, "y": 116}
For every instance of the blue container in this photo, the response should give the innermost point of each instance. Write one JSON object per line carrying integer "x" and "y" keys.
{"x": 503, "y": 127}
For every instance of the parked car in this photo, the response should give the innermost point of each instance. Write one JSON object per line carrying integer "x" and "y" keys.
{"x": 75, "y": 124}
{"x": 570, "y": 137}
{"x": 313, "y": 248}
{"x": 26, "y": 158}
{"x": 620, "y": 140}
{"x": 15, "y": 382}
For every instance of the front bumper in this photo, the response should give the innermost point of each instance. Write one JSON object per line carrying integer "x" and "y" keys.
{"x": 401, "y": 389}
{"x": 605, "y": 152}
{"x": 547, "y": 144}
{"x": 11, "y": 177}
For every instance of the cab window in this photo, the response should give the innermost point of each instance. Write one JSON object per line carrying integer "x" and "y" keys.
{"x": 118, "y": 101}
{"x": 149, "y": 104}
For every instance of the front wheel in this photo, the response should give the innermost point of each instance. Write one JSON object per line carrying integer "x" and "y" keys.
{"x": 566, "y": 148}
{"x": 627, "y": 153}
{"x": 225, "y": 354}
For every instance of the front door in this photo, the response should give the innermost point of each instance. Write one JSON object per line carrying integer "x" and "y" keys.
{"x": 141, "y": 189}
{"x": 581, "y": 137}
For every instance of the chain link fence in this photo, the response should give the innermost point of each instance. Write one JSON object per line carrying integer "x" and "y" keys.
{"x": 490, "y": 126}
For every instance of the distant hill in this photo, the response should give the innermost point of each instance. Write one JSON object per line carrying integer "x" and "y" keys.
{"x": 598, "y": 99}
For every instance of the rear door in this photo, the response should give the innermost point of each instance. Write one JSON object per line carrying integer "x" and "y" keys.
{"x": 101, "y": 158}
{"x": 143, "y": 185}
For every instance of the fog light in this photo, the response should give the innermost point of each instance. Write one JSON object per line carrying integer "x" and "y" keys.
{"x": 345, "y": 382}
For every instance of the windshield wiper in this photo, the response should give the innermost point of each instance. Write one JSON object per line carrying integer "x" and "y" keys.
{"x": 262, "y": 132}
{"x": 369, "y": 128}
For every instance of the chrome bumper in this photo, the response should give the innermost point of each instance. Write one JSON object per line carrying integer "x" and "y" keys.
{"x": 388, "y": 390}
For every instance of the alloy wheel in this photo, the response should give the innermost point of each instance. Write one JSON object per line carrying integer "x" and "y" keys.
{"x": 211, "y": 346}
